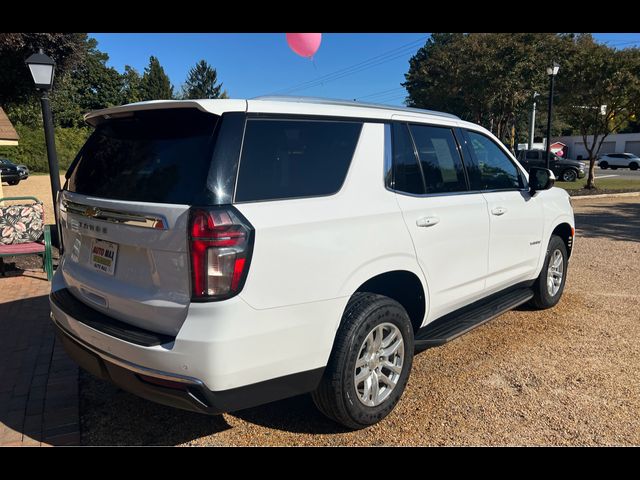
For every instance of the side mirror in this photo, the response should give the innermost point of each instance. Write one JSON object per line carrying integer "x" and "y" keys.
{"x": 540, "y": 179}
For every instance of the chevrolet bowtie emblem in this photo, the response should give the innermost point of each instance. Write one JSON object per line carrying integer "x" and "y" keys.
{"x": 91, "y": 212}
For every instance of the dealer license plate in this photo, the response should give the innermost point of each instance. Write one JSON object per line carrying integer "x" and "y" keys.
{"x": 103, "y": 256}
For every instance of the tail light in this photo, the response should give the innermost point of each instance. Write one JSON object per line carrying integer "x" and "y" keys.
{"x": 221, "y": 241}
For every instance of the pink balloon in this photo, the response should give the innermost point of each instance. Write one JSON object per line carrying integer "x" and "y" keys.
{"x": 304, "y": 44}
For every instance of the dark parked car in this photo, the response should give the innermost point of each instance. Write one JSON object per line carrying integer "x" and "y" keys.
{"x": 565, "y": 169}
{"x": 9, "y": 172}
{"x": 22, "y": 169}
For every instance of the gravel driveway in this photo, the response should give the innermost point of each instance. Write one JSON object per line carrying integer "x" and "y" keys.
{"x": 567, "y": 376}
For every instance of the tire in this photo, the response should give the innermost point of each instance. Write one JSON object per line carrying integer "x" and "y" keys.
{"x": 569, "y": 175}
{"x": 13, "y": 182}
{"x": 604, "y": 165}
{"x": 337, "y": 396}
{"x": 633, "y": 166}
{"x": 544, "y": 295}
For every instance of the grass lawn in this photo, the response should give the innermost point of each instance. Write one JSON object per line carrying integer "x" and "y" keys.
{"x": 603, "y": 185}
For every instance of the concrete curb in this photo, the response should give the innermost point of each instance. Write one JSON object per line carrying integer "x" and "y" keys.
{"x": 605, "y": 195}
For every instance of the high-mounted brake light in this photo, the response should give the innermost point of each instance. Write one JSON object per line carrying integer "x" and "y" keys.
{"x": 220, "y": 245}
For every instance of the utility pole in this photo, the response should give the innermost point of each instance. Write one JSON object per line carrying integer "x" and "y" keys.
{"x": 533, "y": 120}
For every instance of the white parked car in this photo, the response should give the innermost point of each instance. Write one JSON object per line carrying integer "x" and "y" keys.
{"x": 619, "y": 160}
{"x": 220, "y": 254}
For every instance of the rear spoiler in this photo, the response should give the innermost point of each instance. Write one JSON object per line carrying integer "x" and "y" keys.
{"x": 216, "y": 107}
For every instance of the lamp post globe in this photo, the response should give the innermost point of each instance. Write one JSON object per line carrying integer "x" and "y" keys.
{"x": 42, "y": 68}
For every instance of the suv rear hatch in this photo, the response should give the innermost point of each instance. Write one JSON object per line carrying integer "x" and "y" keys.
{"x": 125, "y": 209}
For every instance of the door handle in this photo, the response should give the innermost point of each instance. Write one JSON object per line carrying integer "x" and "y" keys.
{"x": 427, "y": 221}
{"x": 499, "y": 211}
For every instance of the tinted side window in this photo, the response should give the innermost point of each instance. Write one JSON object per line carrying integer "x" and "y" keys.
{"x": 493, "y": 169}
{"x": 294, "y": 158}
{"x": 533, "y": 155}
{"x": 441, "y": 164}
{"x": 406, "y": 171}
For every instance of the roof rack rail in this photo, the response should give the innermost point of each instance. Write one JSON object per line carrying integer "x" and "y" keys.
{"x": 349, "y": 103}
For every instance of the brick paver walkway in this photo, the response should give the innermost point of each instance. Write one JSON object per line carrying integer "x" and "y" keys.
{"x": 38, "y": 382}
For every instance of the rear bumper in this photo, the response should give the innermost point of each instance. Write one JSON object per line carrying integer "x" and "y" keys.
{"x": 230, "y": 355}
{"x": 179, "y": 391}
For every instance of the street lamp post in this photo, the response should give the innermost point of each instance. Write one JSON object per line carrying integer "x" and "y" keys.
{"x": 552, "y": 71}
{"x": 533, "y": 120}
{"x": 42, "y": 70}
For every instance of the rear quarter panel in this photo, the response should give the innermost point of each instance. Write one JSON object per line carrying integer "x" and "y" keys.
{"x": 314, "y": 249}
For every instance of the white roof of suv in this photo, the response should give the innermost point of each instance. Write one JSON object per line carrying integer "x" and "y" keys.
{"x": 285, "y": 104}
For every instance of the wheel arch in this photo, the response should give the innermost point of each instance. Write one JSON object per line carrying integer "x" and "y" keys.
{"x": 403, "y": 286}
{"x": 566, "y": 232}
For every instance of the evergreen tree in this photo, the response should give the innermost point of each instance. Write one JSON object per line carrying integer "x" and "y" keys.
{"x": 202, "y": 82}
{"x": 155, "y": 84}
{"x": 132, "y": 85}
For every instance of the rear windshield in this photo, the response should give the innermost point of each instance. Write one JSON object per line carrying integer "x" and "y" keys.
{"x": 150, "y": 156}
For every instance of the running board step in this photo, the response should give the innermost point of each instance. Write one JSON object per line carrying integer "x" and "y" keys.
{"x": 456, "y": 323}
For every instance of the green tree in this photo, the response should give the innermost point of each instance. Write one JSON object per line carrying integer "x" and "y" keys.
{"x": 91, "y": 85}
{"x": 132, "y": 85}
{"x": 486, "y": 78}
{"x": 155, "y": 83}
{"x": 16, "y": 84}
{"x": 202, "y": 82}
{"x": 599, "y": 93}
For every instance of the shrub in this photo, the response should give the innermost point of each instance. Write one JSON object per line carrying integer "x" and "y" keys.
{"x": 32, "y": 150}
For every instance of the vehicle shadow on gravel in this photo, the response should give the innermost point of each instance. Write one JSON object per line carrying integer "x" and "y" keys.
{"x": 296, "y": 415}
{"x": 111, "y": 416}
{"x": 617, "y": 221}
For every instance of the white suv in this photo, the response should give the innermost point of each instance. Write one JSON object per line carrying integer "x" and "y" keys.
{"x": 619, "y": 160}
{"x": 220, "y": 254}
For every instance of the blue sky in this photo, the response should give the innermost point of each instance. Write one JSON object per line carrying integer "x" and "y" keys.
{"x": 367, "y": 66}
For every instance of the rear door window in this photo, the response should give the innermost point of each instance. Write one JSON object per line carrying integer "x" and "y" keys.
{"x": 439, "y": 158}
{"x": 149, "y": 156}
{"x": 407, "y": 175}
{"x": 292, "y": 158}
